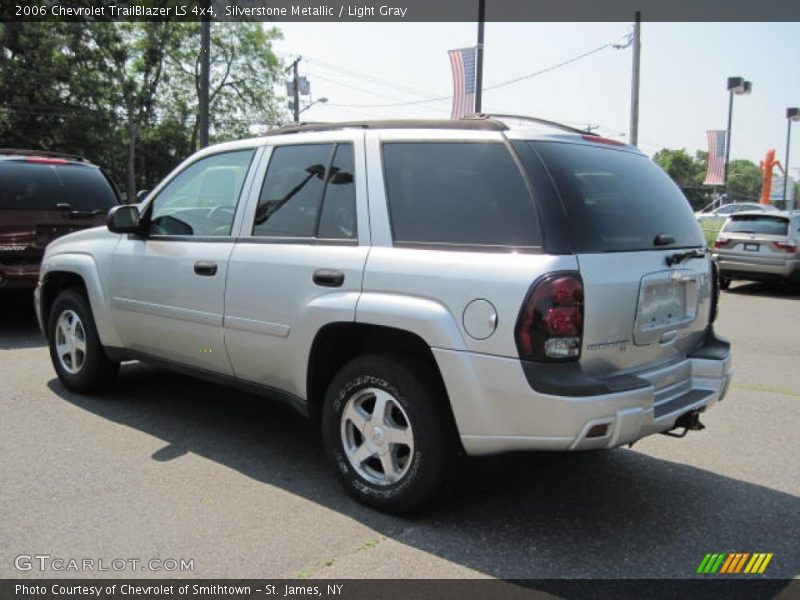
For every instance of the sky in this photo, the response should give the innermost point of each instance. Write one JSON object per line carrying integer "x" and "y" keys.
{"x": 684, "y": 69}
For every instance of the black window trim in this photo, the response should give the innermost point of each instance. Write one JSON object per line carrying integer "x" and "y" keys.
{"x": 147, "y": 210}
{"x": 447, "y": 246}
{"x": 313, "y": 240}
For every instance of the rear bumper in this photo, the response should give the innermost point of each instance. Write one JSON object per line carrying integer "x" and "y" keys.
{"x": 757, "y": 268}
{"x": 19, "y": 276}
{"x": 496, "y": 410}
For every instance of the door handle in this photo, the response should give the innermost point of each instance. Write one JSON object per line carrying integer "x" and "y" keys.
{"x": 205, "y": 268}
{"x": 328, "y": 277}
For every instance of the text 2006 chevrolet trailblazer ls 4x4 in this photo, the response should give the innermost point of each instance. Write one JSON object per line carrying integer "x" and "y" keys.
{"x": 423, "y": 287}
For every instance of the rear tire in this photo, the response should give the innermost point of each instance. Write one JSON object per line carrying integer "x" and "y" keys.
{"x": 387, "y": 433}
{"x": 75, "y": 349}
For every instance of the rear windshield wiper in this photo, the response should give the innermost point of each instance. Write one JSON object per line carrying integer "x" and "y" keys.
{"x": 678, "y": 257}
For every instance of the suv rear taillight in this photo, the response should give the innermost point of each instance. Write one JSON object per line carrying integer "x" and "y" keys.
{"x": 721, "y": 242}
{"x": 550, "y": 323}
{"x": 784, "y": 247}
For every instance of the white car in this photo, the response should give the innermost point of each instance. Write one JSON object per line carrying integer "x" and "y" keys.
{"x": 425, "y": 287}
{"x": 726, "y": 210}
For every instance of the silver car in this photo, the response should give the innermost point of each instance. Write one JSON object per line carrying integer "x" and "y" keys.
{"x": 424, "y": 288}
{"x": 759, "y": 246}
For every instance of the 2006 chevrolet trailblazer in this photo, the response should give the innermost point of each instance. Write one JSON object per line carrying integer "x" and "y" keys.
{"x": 423, "y": 286}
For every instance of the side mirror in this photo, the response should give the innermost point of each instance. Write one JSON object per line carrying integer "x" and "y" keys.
{"x": 123, "y": 219}
{"x": 141, "y": 195}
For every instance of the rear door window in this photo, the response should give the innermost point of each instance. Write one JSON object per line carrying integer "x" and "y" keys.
{"x": 308, "y": 192}
{"x": 458, "y": 193}
{"x": 40, "y": 186}
{"x": 757, "y": 224}
{"x": 616, "y": 200}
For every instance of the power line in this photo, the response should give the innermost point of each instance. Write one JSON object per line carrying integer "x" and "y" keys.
{"x": 495, "y": 86}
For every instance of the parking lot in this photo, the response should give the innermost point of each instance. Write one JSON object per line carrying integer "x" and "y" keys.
{"x": 168, "y": 467}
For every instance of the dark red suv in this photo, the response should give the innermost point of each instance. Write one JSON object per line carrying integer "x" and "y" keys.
{"x": 43, "y": 196}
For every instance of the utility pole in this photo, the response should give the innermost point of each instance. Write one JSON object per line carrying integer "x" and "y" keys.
{"x": 479, "y": 57}
{"x": 205, "y": 77}
{"x": 295, "y": 89}
{"x": 637, "y": 48}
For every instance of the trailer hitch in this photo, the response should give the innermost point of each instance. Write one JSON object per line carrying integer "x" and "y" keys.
{"x": 689, "y": 421}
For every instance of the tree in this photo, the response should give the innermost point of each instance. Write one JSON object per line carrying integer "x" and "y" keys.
{"x": 688, "y": 173}
{"x": 124, "y": 95}
{"x": 132, "y": 56}
{"x": 244, "y": 74}
{"x": 744, "y": 181}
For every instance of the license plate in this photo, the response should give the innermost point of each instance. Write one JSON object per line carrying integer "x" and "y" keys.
{"x": 751, "y": 247}
{"x": 662, "y": 305}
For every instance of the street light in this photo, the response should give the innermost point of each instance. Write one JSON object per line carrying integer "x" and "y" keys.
{"x": 738, "y": 86}
{"x": 792, "y": 114}
{"x": 322, "y": 100}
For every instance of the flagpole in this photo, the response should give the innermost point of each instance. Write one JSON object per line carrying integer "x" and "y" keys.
{"x": 479, "y": 61}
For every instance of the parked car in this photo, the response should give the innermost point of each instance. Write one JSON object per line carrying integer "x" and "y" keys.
{"x": 726, "y": 210}
{"x": 755, "y": 246}
{"x": 425, "y": 287}
{"x": 43, "y": 196}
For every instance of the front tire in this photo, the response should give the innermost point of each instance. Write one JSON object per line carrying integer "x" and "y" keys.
{"x": 75, "y": 349}
{"x": 387, "y": 433}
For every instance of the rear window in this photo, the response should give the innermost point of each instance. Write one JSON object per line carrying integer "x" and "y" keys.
{"x": 458, "y": 193}
{"x": 36, "y": 186}
{"x": 617, "y": 201}
{"x": 757, "y": 224}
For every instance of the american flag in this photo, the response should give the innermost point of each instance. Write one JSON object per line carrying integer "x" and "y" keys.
{"x": 463, "y": 64}
{"x": 715, "y": 175}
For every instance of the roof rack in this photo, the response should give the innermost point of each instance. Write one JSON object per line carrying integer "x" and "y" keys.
{"x": 477, "y": 122}
{"x": 43, "y": 153}
{"x": 536, "y": 120}
{"x": 472, "y": 123}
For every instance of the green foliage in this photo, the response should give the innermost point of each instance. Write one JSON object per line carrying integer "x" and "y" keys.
{"x": 744, "y": 181}
{"x": 688, "y": 172}
{"x": 125, "y": 94}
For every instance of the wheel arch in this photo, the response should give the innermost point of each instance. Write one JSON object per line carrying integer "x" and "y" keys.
{"x": 64, "y": 271}
{"x": 338, "y": 343}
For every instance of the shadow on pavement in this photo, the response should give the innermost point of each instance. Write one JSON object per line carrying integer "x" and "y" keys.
{"x": 18, "y": 327}
{"x": 608, "y": 514}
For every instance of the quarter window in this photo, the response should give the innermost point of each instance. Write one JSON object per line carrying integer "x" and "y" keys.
{"x": 202, "y": 199}
{"x": 462, "y": 193}
{"x": 308, "y": 192}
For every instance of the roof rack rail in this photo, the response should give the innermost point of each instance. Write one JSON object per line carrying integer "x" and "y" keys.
{"x": 43, "y": 153}
{"x": 480, "y": 124}
{"x": 537, "y": 120}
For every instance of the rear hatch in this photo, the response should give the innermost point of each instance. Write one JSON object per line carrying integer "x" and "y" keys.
{"x": 641, "y": 254}
{"x": 756, "y": 239}
{"x": 42, "y": 199}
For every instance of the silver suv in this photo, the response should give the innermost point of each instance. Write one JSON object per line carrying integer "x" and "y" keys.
{"x": 758, "y": 246}
{"x": 423, "y": 287}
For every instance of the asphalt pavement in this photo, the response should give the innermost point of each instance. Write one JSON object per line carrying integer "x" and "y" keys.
{"x": 168, "y": 467}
